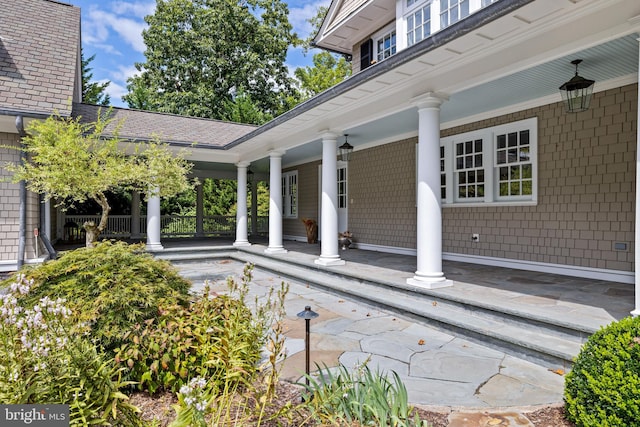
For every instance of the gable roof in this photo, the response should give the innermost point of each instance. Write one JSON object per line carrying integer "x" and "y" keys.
{"x": 170, "y": 128}
{"x": 39, "y": 57}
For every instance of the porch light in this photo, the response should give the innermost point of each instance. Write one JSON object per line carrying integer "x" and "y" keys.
{"x": 345, "y": 150}
{"x": 576, "y": 93}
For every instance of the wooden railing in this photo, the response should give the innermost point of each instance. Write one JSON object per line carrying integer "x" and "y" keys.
{"x": 119, "y": 226}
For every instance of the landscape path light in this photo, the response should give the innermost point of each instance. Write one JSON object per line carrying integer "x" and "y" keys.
{"x": 307, "y": 315}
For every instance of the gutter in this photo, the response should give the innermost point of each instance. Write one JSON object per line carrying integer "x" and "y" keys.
{"x": 470, "y": 23}
{"x": 22, "y": 215}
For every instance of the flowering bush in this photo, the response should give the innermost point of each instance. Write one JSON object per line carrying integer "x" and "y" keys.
{"x": 43, "y": 359}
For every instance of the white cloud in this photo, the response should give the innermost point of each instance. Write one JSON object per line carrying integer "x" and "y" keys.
{"x": 137, "y": 9}
{"x": 123, "y": 73}
{"x": 115, "y": 91}
{"x": 298, "y": 16}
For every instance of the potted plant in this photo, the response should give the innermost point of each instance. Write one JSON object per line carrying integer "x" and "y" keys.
{"x": 344, "y": 239}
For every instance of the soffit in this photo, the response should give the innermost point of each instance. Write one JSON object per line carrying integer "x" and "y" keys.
{"x": 351, "y": 20}
{"x": 514, "y": 59}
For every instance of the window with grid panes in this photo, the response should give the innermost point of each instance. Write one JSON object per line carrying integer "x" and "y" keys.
{"x": 290, "y": 194}
{"x": 443, "y": 175}
{"x": 418, "y": 24}
{"x": 342, "y": 187}
{"x": 451, "y": 11}
{"x": 386, "y": 45}
{"x": 513, "y": 161}
{"x": 469, "y": 170}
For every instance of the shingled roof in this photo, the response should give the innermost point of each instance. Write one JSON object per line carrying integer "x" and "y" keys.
{"x": 170, "y": 128}
{"x": 39, "y": 55}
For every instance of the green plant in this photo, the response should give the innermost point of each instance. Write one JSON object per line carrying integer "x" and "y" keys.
{"x": 215, "y": 337}
{"x": 363, "y": 396}
{"x": 44, "y": 360}
{"x": 240, "y": 390}
{"x": 111, "y": 287}
{"x": 603, "y": 387}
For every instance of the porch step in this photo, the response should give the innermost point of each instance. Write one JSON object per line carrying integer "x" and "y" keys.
{"x": 532, "y": 336}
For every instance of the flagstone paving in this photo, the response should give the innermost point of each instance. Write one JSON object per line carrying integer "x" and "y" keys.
{"x": 438, "y": 369}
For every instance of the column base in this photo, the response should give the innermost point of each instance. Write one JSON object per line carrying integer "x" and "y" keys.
{"x": 329, "y": 261}
{"x": 154, "y": 247}
{"x": 426, "y": 282}
{"x": 275, "y": 250}
{"x": 636, "y": 312}
{"x": 241, "y": 243}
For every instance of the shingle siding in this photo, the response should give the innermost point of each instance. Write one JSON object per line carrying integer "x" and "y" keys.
{"x": 586, "y": 192}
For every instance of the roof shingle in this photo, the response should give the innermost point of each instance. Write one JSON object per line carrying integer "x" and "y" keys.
{"x": 39, "y": 43}
{"x": 169, "y": 128}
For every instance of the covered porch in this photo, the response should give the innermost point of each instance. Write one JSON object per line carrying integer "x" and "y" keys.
{"x": 543, "y": 317}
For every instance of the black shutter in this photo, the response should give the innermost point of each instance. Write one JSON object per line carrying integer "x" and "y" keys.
{"x": 366, "y": 54}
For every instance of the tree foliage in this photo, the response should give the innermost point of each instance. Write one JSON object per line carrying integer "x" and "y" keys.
{"x": 204, "y": 55}
{"x": 93, "y": 92}
{"x": 328, "y": 68}
{"x": 74, "y": 162}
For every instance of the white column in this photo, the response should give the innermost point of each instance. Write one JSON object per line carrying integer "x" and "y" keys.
{"x": 153, "y": 221}
{"x": 241, "y": 211}
{"x": 254, "y": 207}
{"x": 636, "y": 311}
{"x": 199, "y": 210}
{"x": 329, "y": 209}
{"x": 429, "y": 216}
{"x": 135, "y": 214}
{"x": 275, "y": 203}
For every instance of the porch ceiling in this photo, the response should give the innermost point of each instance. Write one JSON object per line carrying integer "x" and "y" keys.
{"x": 514, "y": 62}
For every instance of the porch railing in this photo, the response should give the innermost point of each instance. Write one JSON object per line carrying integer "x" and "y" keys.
{"x": 119, "y": 226}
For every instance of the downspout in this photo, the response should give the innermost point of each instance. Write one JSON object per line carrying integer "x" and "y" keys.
{"x": 23, "y": 198}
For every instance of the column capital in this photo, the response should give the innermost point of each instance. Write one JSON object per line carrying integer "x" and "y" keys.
{"x": 429, "y": 100}
{"x": 277, "y": 153}
{"x": 329, "y": 135}
{"x": 243, "y": 164}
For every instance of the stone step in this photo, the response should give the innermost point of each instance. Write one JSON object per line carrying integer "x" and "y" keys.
{"x": 526, "y": 335}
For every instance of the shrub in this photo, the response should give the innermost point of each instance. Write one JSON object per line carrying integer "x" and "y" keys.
{"x": 363, "y": 398}
{"x": 604, "y": 385}
{"x": 44, "y": 360}
{"x": 216, "y": 337}
{"x": 111, "y": 287}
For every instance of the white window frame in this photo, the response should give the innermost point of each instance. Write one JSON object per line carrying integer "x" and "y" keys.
{"x": 457, "y": 6}
{"x": 410, "y": 9}
{"x": 290, "y": 194}
{"x": 491, "y": 165}
{"x": 386, "y": 31}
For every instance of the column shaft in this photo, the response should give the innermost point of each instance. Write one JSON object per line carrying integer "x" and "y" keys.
{"x": 153, "y": 221}
{"x": 199, "y": 210}
{"x": 275, "y": 204}
{"x": 241, "y": 203}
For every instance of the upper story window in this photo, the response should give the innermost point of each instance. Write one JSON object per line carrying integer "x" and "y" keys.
{"x": 487, "y": 2}
{"x": 418, "y": 24}
{"x": 451, "y": 11}
{"x": 386, "y": 45}
{"x": 492, "y": 165}
{"x": 290, "y": 194}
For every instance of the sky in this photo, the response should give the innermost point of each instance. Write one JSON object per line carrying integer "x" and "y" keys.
{"x": 112, "y": 30}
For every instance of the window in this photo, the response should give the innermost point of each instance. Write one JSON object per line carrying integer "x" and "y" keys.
{"x": 451, "y": 11}
{"x": 513, "y": 160}
{"x": 386, "y": 45}
{"x": 290, "y": 194}
{"x": 469, "y": 170}
{"x": 492, "y": 165}
{"x": 418, "y": 24}
{"x": 342, "y": 187}
{"x": 486, "y": 3}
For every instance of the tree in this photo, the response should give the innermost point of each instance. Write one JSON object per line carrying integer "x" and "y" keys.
{"x": 75, "y": 162}
{"x": 328, "y": 69}
{"x": 93, "y": 92}
{"x": 202, "y": 54}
